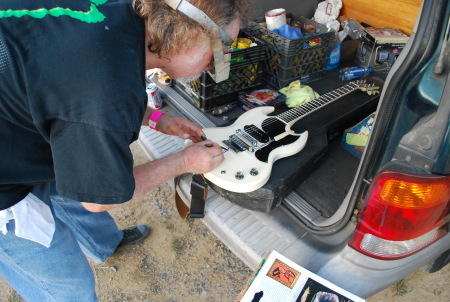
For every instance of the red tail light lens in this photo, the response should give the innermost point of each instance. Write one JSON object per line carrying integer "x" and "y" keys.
{"x": 402, "y": 214}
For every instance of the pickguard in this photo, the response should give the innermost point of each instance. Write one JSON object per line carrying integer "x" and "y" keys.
{"x": 273, "y": 127}
{"x": 263, "y": 153}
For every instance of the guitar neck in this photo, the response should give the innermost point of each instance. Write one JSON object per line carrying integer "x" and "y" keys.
{"x": 294, "y": 114}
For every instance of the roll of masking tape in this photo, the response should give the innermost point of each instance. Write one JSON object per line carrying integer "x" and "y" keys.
{"x": 275, "y": 18}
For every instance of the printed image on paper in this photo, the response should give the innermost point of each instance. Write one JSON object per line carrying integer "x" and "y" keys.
{"x": 283, "y": 273}
{"x": 313, "y": 291}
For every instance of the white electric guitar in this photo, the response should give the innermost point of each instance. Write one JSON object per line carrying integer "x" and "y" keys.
{"x": 255, "y": 141}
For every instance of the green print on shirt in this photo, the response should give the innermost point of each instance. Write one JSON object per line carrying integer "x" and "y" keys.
{"x": 92, "y": 16}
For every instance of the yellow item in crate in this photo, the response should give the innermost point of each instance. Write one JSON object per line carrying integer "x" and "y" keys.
{"x": 241, "y": 43}
{"x": 298, "y": 94}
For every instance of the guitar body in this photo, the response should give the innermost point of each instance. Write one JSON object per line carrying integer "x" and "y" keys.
{"x": 255, "y": 141}
{"x": 244, "y": 171}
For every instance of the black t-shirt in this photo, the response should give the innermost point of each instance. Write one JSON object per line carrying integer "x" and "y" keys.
{"x": 72, "y": 97}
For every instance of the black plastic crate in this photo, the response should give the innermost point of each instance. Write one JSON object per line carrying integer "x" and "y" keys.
{"x": 207, "y": 104}
{"x": 315, "y": 34}
{"x": 241, "y": 77}
{"x": 244, "y": 65}
{"x": 303, "y": 59}
{"x": 245, "y": 73}
{"x": 312, "y": 63}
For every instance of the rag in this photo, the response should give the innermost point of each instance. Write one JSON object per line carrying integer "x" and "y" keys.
{"x": 298, "y": 94}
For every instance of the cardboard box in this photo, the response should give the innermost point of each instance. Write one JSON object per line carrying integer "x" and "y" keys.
{"x": 355, "y": 138}
{"x": 379, "y": 48}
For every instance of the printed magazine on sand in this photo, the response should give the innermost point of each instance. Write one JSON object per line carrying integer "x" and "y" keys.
{"x": 280, "y": 279}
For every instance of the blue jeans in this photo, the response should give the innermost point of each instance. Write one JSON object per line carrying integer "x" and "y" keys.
{"x": 60, "y": 272}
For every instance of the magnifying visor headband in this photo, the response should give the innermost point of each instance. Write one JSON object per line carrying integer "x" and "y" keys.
{"x": 220, "y": 38}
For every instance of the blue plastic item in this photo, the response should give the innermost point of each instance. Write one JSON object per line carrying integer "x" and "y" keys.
{"x": 289, "y": 32}
{"x": 335, "y": 58}
{"x": 354, "y": 73}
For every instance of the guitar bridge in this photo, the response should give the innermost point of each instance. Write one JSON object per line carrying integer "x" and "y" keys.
{"x": 230, "y": 146}
{"x": 236, "y": 144}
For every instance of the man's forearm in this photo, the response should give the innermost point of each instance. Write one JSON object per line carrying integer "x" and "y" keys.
{"x": 152, "y": 174}
{"x": 147, "y": 177}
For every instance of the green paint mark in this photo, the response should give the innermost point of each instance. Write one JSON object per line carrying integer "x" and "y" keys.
{"x": 92, "y": 16}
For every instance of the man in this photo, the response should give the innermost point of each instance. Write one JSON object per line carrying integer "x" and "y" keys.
{"x": 72, "y": 99}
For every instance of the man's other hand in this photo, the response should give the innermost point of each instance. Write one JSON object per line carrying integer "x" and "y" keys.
{"x": 180, "y": 127}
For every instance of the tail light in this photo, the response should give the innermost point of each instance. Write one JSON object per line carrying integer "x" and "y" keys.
{"x": 402, "y": 214}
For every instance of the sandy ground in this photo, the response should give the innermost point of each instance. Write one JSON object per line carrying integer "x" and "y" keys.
{"x": 184, "y": 261}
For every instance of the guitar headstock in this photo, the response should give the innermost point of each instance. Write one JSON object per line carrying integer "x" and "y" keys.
{"x": 368, "y": 87}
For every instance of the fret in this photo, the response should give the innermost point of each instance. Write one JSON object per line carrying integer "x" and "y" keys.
{"x": 347, "y": 89}
{"x": 304, "y": 109}
{"x": 315, "y": 104}
{"x": 308, "y": 106}
{"x": 326, "y": 97}
{"x": 334, "y": 94}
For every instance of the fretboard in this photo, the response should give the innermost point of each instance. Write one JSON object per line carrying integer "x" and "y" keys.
{"x": 305, "y": 109}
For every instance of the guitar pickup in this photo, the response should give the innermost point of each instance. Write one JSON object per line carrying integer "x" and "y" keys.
{"x": 257, "y": 133}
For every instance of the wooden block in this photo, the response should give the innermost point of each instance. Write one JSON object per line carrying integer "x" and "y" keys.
{"x": 401, "y": 14}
